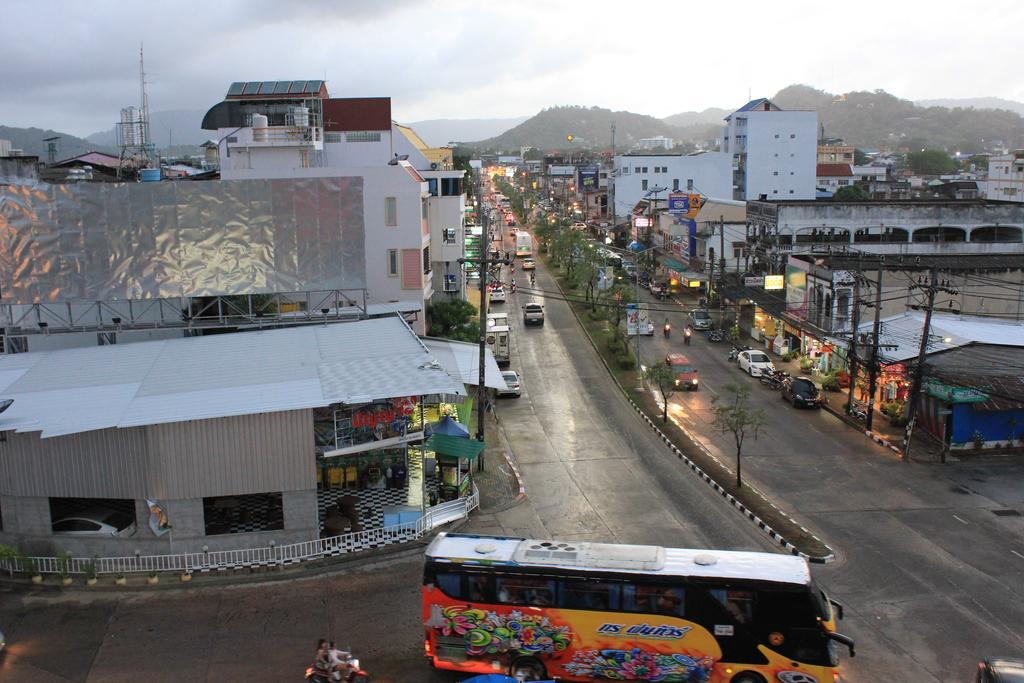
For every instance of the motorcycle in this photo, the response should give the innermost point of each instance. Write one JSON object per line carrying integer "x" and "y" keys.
{"x": 668, "y": 330}
{"x": 858, "y": 412}
{"x": 716, "y": 335}
{"x": 775, "y": 379}
{"x": 735, "y": 353}
{"x": 687, "y": 333}
{"x": 353, "y": 673}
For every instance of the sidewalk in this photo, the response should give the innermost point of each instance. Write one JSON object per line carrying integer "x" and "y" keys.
{"x": 499, "y": 484}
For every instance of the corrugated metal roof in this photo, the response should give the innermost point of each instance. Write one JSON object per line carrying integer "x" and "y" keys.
{"x": 900, "y": 336}
{"x": 129, "y": 385}
{"x": 463, "y": 362}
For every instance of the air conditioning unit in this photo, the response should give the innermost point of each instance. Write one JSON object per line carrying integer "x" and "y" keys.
{"x": 451, "y": 283}
{"x": 433, "y": 165}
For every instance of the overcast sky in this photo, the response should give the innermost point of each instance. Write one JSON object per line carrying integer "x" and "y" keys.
{"x": 71, "y": 66}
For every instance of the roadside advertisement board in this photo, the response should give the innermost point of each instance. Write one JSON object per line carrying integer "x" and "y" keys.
{"x": 588, "y": 178}
{"x": 796, "y": 287}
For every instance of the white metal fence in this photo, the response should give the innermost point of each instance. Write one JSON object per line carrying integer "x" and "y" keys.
{"x": 267, "y": 556}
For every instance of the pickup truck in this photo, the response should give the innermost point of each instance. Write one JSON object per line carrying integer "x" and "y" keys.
{"x": 533, "y": 313}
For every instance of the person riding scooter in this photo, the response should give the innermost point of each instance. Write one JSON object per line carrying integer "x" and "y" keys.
{"x": 668, "y": 328}
{"x": 687, "y": 333}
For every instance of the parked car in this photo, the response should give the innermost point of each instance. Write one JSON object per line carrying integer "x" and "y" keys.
{"x": 701, "y": 320}
{"x": 1000, "y": 670}
{"x": 630, "y": 269}
{"x": 529, "y": 264}
{"x": 755, "y": 363}
{"x": 511, "y": 378}
{"x": 533, "y": 313}
{"x": 801, "y": 392}
{"x": 579, "y": 225}
{"x": 686, "y": 374}
{"x": 96, "y": 522}
{"x": 497, "y": 295}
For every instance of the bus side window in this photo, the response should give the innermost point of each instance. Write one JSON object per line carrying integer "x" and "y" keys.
{"x": 739, "y": 604}
{"x": 654, "y": 599}
{"x": 584, "y": 594}
{"x": 478, "y": 588}
{"x": 450, "y": 584}
{"x": 525, "y": 590}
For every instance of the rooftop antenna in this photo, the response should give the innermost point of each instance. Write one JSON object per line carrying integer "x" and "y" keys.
{"x": 137, "y": 150}
{"x": 51, "y": 149}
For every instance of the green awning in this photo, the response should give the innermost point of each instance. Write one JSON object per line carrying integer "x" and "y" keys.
{"x": 672, "y": 264}
{"x": 454, "y": 446}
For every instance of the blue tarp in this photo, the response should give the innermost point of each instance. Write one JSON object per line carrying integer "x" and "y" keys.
{"x": 448, "y": 427}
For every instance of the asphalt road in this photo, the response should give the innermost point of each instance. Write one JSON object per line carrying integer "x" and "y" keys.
{"x": 932, "y": 579}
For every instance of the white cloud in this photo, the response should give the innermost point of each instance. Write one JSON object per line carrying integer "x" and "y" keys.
{"x": 71, "y": 66}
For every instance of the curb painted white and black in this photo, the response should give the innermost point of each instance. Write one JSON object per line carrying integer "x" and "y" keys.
{"x": 507, "y": 453}
{"x": 747, "y": 512}
{"x": 874, "y": 436}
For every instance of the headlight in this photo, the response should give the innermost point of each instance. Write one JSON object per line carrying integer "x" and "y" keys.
{"x": 677, "y": 383}
{"x": 694, "y": 381}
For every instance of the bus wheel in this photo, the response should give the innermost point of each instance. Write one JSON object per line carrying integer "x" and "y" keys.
{"x": 527, "y": 669}
{"x": 747, "y": 677}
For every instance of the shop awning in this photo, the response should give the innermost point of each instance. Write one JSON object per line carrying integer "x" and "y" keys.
{"x": 454, "y": 446}
{"x": 673, "y": 264}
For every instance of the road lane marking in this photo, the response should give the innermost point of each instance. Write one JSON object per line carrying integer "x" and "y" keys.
{"x": 1017, "y": 554}
{"x": 962, "y": 521}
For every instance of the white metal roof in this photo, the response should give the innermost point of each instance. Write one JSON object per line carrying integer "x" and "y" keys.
{"x": 900, "y": 336}
{"x": 155, "y": 382}
{"x": 462, "y": 359}
{"x": 585, "y": 556}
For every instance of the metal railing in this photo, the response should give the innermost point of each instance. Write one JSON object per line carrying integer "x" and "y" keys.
{"x": 267, "y": 556}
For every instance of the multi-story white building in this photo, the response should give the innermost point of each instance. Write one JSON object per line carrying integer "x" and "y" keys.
{"x": 413, "y": 203}
{"x": 636, "y": 175}
{"x": 774, "y": 152}
{"x": 1006, "y": 177}
{"x": 656, "y": 142}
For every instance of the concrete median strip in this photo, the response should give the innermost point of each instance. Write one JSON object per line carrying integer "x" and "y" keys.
{"x": 747, "y": 512}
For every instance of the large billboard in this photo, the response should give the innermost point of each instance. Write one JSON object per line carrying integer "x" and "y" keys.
{"x": 105, "y": 242}
{"x": 588, "y": 179}
{"x": 685, "y": 204}
{"x": 796, "y": 287}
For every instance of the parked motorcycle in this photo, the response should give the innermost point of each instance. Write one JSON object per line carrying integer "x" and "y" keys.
{"x": 775, "y": 379}
{"x": 716, "y": 335}
{"x": 736, "y": 351}
{"x": 858, "y": 412}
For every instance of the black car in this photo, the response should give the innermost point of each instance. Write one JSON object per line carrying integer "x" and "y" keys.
{"x": 1000, "y": 670}
{"x": 801, "y": 392}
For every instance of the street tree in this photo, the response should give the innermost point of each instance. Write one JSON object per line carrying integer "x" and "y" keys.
{"x": 851, "y": 193}
{"x": 931, "y": 162}
{"x": 455, "y": 319}
{"x": 663, "y": 377}
{"x": 734, "y": 415}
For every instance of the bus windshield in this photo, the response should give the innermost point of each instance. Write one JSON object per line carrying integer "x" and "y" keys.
{"x": 593, "y": 611}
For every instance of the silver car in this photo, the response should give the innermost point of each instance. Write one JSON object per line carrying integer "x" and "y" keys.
{"x": 511, "y": 378}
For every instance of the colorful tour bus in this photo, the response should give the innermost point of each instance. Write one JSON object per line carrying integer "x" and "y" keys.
{"x": 599, "y": 612}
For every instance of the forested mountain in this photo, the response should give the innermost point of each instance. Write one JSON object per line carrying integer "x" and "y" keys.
{"x": 591, "y": 128}
{"x": 878, "y": 119}
{"x": 30, "y": 140}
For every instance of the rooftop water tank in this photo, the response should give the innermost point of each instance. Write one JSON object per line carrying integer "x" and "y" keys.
{"x": 299, "y": 116}
{"x": 259, "y": 128}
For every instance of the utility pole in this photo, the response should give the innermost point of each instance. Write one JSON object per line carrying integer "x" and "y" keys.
{"x": 853, "y": 342}
{"x": 915, "y": 388}
{"x": 721, "y": 275}
{"x": 611, "y": 183}
{"x": 873, "y": 367}
{"x": 481, "y": 389}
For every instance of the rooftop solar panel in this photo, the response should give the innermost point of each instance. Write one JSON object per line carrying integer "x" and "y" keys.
{"x": 313, "y": 86}
{"x": 281, "y": 88}
{"x": 252, "y": 87}
{"x": 236, "y": 88}
{"x": 297, "y": 87}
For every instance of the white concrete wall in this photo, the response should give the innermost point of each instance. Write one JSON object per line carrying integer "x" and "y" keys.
{"x": 781, "y": 153}
{"x": 711, "y": 173}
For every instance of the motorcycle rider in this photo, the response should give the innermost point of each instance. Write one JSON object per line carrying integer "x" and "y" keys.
{"x": 338, "y": 660}
{"x": 512, "y": 287}
{"x": 668, "y": 328}
{"x": 687, "y": 333}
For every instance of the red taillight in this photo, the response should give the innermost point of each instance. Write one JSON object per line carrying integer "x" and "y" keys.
{"x": 426, "y": 647}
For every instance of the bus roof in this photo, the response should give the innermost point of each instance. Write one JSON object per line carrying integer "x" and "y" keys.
{"x": 640, "y": 559}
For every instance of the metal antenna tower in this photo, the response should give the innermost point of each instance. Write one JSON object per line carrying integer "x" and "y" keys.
{"x": 137, "y": 149}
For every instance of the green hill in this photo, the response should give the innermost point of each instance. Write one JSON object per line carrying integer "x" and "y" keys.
{"x": 590, "y": 127}
{"x": 878, "y": 119}
{"x": 30, "y": 140}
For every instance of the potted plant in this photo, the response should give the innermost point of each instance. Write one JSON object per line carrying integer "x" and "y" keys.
{"x": 186, "y": 577}
{"x": 152, "y": 578}
{"x": 806, "y": 363}
{"x": 28, "y": 565}
{"x": 90, "y": 573}
{"x": 9, "y": 556}
{"x": 63, "y": 567}
{"x": 120, "y": 579}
